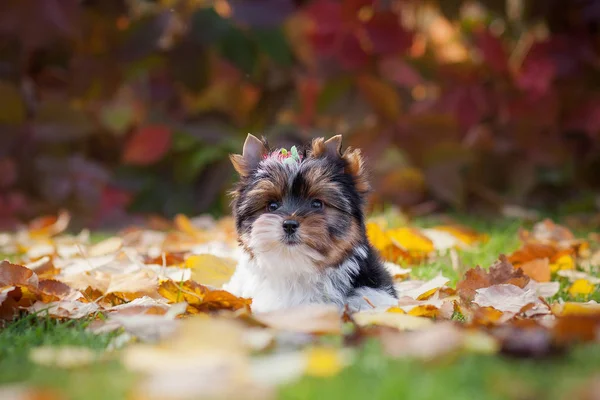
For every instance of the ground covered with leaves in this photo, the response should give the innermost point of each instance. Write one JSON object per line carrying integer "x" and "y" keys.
{"x": 499, "y": 310}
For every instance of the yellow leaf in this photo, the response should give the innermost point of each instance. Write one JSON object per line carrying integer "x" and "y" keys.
{"x": 411, "y": 240}
{"x": 391, "y": 319}
{"x": 211, "y": 270}
{"x": 324, "y": 362}
{"x": 396, "y": 310}
{"x": 200, "y": 298}
{"x": 563, "y": 262}
{"x": 573, "y": 308}
{"x": 426, "y": 310}
{"x": 184, "y": 224}
{"x": 377, "y": 236}
{"x": 581, "y": 287}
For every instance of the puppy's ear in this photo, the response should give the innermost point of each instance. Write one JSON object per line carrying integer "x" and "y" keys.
{"x": 253, "y": 152}
{"x": 331, "y": 147}
{"x": 355, "y": 166}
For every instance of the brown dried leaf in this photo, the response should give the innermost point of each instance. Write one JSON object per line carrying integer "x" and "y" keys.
{"x": 499, "y": 273}
{"x": 52, "y": 290}
{"x": 17, "y": 275}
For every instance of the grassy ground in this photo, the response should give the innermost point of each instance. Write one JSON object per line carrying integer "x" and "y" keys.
{"x": 103, "y": 380}
{"x": 373, "y": 376}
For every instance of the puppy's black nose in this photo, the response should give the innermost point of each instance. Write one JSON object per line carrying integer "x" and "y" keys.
{"x": 290, "y": 226}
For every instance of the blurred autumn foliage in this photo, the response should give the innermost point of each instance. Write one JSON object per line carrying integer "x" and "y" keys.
{"x": 112, "y": 108}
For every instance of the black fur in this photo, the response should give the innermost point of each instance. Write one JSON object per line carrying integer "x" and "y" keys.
{"x": 372, "y": 273}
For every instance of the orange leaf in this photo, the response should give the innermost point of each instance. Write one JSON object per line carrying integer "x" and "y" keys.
{"x": 49, "y": 225}
{"x": 532, "y": 251}
{"x": 538, "y": 270}
{"x": 147, "y": 145}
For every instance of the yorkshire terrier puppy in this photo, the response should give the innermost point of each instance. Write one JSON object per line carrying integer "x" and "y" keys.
{"x": 300, "y": 222}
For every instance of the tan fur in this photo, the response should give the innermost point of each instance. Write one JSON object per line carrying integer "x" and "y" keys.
{"x": 353, "y": 157}
{"x": 266, "y": 191}
{"x": 252, "y": 153}
{"x": 356, "y": 168}
{"x": 239, "y": 164}
{"x": 315, "y": 235}
{"x": 318, "y": 148}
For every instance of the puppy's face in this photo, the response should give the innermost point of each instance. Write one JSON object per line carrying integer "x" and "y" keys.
{"x": 309, "y": 206}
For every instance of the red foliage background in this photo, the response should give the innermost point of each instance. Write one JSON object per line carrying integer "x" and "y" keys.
{"x": 112, "y": 108}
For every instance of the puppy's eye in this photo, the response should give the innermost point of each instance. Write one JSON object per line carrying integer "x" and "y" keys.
{"x": 272, "y": 206}
{"x": 316, "y": 204}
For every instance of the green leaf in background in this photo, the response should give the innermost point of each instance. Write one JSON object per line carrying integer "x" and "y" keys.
{"x": 189, "y": 165}
{"x": 239, "y": 50}
{"x": 207, "y": 26}
{"x": 274, "y": 44}
{"x": 332, "y": 91}
{"x": 183, "y": 141}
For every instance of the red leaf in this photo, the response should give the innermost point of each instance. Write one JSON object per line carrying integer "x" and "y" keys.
{"x": 147, "y": 145}
{"x": 327, "y": 25}
{"x": 308, "y": 91}
{"x": 399, "y": 71}
{"x": 538, "y": 71}
{"x": 386, "y": 34}
{"x": 493, "y": 51}
{"x": 351, "y": 54}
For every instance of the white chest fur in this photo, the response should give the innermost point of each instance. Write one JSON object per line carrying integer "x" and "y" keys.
{"x": 288, "y": 278}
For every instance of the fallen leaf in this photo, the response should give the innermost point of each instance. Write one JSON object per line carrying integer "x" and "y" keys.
{"x": 392, "y": 320}
{"x": 17, "y": 275}
{"x": 499, "y": 273}
{"x": 201, "y": 346}
{"x": 573, "y": 308}
{"x": 412, "y": 241}
{"x": 434, "y": 341}
{"x": 49, "y": 225}
{"x": 571, "y": 329}
{"x": 538, "y": 269}
{"x": 107, "y": 246}
{"x": 464, "y": 234}
{"x": 505, "y": 297}
{"x": 211, "y": 270}
{"x": 313, "y": 318}
{"x": 51, "y": 290}
{"x": 422, "y": 290}
{"x": 200, "y": 298}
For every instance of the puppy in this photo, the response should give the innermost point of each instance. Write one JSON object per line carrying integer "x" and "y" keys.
{"x": 300, "y": 223}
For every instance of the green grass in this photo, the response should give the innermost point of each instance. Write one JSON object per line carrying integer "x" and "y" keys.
{"x": 102, "y": 380}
